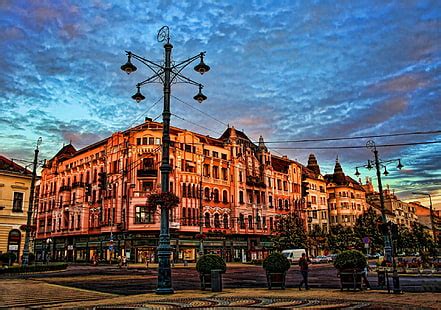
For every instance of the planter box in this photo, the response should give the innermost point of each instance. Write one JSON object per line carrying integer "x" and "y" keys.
{"x": 205, "y": 281}
{"x": 211, "y": 281}
{"x": 351, "y": 279}
{"x": 276, "y": 280}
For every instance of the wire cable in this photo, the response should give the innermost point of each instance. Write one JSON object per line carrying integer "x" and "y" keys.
{"x": 205, "y": 113}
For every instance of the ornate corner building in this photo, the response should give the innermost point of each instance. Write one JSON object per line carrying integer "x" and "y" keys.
{"x": 94, "y": 200}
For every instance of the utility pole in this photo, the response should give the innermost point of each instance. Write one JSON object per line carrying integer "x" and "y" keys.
{"x": 25, "y": 261}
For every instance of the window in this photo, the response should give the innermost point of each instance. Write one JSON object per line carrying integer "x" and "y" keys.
{"x": 250, "y": 222}
{"x": 216, "y": 221}
{"x": 207, "y": 193}
{"x": 215, "y": 154}
{"x": 184, "y": 190}
{"x": 224, "y": 174}
{"x": 280, "y": 204}
{"x": 207, "y": 220}
{"x": 225, "y": 221}
{"x": 270, "y": 200}
{"x": 241, "y": 197}
{"x": 138, "y": 141}
{"x": 224, "y": 196}
{"x": 216, "y": 172}
{"x": 144, "y": 215}
{"x": 271, "y": 223}
{"x": 151, "y": 140}
{"x": 240, "y": 176}
{"x": 17, "y": 205}
{"x": 242, "y": 221}
{"x": 216, "y": 195}
{"x": 206, "y": 170}
{"x": 258, "y": 222}
{"x": 144, "y": 141}
{"x": 206, "y": 152}
{"x": 224, "y": 156}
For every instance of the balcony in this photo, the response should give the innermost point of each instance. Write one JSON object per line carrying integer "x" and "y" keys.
{"x": 147, "y": 173}
{"x": 65, "y": 188}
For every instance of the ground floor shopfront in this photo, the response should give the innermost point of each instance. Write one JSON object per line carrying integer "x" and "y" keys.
{"x": 141, "y": 247}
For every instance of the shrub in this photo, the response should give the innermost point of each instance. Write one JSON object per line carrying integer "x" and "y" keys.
{"x": 34, "y": 268}
{"x": 351, "y": 259}
{"x": 276, "y": 262}
{"x": 5, "y": 257}
{"x": 209, "y": 262}
{"x": 31, "y": 257}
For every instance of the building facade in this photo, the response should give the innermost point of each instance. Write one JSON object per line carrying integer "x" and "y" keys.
{"x": 346, "y": 198}
{"x": 15, "y": 182}
{"x": 93, "y": 201}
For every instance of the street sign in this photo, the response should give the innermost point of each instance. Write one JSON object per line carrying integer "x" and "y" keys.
{"x": 366, "y": 240}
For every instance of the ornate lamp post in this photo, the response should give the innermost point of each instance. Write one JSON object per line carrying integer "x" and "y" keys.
{"x": 31, "y": 203}
{"x": 380, "y": 164}
{"x": 167, "y": 74}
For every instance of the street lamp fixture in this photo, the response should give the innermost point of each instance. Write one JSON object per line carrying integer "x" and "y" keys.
{"x": 388, "y": 249}
{"x": 166, "y": 73}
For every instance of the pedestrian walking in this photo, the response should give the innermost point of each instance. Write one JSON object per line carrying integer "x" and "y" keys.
{"x": 365, "y": 279}
{"x": 124, "y": 261}
{"x": 304, "y": 266}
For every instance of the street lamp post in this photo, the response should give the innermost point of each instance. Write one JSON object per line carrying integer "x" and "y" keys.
{"x": 167, "y": 74}
{"x": 388, "y": 249}
{"x": 25, "y": 261}
{"x": 430, "y": 210}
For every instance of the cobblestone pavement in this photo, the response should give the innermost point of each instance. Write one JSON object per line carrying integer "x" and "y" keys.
{"x": 24, "y": 293}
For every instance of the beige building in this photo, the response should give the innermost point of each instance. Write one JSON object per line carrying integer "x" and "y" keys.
{"x": 346, "y": 198}
{"x": 15, "y": 184}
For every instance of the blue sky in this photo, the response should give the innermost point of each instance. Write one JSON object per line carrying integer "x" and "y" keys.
{"x": 287, "y": 70}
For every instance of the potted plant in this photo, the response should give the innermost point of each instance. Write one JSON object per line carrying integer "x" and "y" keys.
{"x": 350, "y": 265}
{"x": 276, "y": 265}
{"x": 207, "y": 264}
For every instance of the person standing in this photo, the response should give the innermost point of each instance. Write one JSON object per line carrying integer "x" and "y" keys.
{"x": 304, "y": 266}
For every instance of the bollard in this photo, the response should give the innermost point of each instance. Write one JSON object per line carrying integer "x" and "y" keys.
{"x": 216, "y": 280}
{"x": 185, "y": 263}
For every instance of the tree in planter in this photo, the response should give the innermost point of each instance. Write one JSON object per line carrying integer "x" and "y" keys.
{"x": 366, "y": 225}
{"x": 350, "y": 265}
{"x": 205, "y": 264}
{"x": 276, "y": 265}
{"x": 289, "y": 232}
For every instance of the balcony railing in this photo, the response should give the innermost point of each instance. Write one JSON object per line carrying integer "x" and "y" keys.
{"x": 147, "y": 173}
{"x": 78, "y": 184}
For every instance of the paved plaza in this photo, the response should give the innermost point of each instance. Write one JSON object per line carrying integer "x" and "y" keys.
{"x": 244, "y": 286}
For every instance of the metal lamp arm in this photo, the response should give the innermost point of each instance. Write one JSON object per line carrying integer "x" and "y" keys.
{"x": 157, "y": 69}
{"x": 151, "y": 79}
{"x": 185, "y": 79}
{"x": 183, "y": 64}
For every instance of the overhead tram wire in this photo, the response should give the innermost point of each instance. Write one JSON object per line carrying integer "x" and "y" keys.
{"x": 355, "y": 146}
{"x": 205, "y": 113}
{"x": 145, "y": 112}
{"x": 359, "y": 137}
{"x": 193, "y": 123}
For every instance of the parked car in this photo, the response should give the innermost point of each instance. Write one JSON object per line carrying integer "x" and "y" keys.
{"x": 293, "y": 255}
{"x": 321, "y": 259}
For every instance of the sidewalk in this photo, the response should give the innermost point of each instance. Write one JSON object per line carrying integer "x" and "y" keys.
{"x": 319, "y": 298}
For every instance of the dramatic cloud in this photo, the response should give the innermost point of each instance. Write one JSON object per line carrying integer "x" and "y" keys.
{"x": 286, "y": 70}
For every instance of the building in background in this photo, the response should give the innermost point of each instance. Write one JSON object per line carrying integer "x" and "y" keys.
{"x": 15, "y": 182}
{"x": 346, "y": 198}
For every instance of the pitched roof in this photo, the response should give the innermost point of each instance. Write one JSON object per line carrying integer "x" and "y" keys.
{"x": 8, "y": 165}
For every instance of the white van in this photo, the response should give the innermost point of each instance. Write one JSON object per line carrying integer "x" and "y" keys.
{"x": 293, "y": 255}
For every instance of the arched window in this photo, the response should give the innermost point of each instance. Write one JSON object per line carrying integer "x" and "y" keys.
{"x": 250, "y": 221}
{"x": 286, "y": 204}
{"x": 225, "y": 221}
{"x": 184, "y": 216}
{"x": 194, "y": 191}
{"x": 207, "y": 220}
{"x": 216, "y": 221}
{"x": 216, "y": 195}
{"x": 224, "y": 196}
{"x": 207, "y": 193}
{"x": 280, "y": 204}
{"x": 258, "y": 222}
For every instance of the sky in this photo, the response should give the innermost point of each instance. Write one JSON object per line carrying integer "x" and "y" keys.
{"x": 286, "y": 70}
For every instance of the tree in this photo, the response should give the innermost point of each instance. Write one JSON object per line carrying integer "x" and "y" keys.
{"x": 317, "y": 239}
{"x": 341, "y": 238}
{"x": 289, "y": 232}
{"x": 406, "y": 241}
{"x": 367, "y": 225}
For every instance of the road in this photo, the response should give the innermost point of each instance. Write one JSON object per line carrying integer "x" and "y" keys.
{"x": 138, "y": 279}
